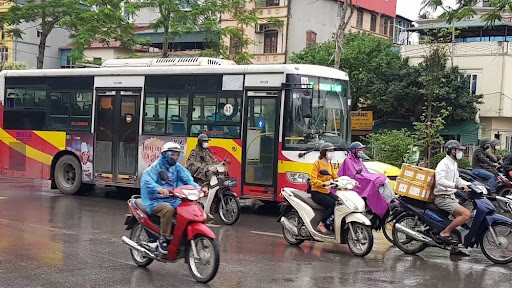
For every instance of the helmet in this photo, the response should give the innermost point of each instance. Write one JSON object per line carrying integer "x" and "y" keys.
{"x": 171, "y": 146}
{"x": 355, "y": 145}
{"x": 495, "y": 141}
{"x": 203, "y": 137}
{"x": 453, "y": 144}
{"x": 484, "y": 141}
{"x": 326, "y": 146}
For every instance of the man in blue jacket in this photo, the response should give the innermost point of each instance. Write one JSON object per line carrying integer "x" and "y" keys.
{"x": 155, "y": 191}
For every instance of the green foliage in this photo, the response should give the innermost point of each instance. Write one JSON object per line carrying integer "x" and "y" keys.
{"x": 317, "y": 54}
{"x": 390, "y": 146}
{"x": 87, "y": 20}
{"x": 465, "y": 10}
{"x": 462, "y": 163}
{"x": 13, "y": 66}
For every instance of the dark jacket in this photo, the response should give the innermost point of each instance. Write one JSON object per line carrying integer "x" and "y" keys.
{"x": 507, "y": 164}
{"x": 481, "y": 161}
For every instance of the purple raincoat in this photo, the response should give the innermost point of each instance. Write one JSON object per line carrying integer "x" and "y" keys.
{"x": 369, "y": 183}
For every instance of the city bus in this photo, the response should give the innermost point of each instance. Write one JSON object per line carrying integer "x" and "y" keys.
{"x": 90, "y": 126}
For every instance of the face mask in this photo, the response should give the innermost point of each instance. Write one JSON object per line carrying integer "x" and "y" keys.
{"x": 205, "y": 145}
{"x": 329, "y": 155}
{"x": 459, "y": 155}
{"x": 168, "y": 157}
{"x": 497, "y": 148}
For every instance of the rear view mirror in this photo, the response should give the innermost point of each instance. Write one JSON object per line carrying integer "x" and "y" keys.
{"x": 324, "y": 172}
{"x": 307, "y": 106}
{"x": 163, "y": 176}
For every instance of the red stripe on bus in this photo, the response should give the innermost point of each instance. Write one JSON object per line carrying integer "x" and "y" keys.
{"x": 16, "y": 164}
{"x": 33, "y": 140}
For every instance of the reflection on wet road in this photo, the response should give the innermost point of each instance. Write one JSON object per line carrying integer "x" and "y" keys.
{"x": 53, "y": 240}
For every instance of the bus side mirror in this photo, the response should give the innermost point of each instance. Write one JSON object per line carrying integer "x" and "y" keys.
{"x": 307, "y": 106}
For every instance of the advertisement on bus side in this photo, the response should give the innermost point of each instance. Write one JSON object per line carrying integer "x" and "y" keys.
{"x": 149, "y": 149}
{"x": 82, "y": 145}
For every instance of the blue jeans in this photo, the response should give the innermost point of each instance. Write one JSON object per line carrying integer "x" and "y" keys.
{"x": 488, "y": 176}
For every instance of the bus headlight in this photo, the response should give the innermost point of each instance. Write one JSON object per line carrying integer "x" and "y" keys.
{"x": 297, "y": 177}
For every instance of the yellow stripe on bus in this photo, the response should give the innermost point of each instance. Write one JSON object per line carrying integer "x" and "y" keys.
{"x": 57, "y": 139}
{"x": 28, "y": 151}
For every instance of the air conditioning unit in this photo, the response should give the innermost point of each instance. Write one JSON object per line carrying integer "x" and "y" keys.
{"x": 261, "y": 28}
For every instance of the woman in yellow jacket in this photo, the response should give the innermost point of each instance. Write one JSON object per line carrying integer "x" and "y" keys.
{"x": 320, "y": 194}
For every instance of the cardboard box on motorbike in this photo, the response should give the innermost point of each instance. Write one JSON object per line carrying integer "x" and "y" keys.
{"x": 416, "y": 182}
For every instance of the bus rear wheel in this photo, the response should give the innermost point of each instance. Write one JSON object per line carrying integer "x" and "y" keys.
{"x": 68, "y": 175}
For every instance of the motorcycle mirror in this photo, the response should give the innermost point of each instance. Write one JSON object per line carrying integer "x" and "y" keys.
{"x": 324, "y": 172}
{"x": 163, "y": 176}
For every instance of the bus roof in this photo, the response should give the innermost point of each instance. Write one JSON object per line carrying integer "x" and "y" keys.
{"x": 303, "y": 69}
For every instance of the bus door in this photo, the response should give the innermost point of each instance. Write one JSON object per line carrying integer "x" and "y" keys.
{"x": 260, "y": 140}
{"x": 117, "y": 130}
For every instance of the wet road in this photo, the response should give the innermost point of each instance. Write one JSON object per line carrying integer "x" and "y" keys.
{"x": 53, "y": 240}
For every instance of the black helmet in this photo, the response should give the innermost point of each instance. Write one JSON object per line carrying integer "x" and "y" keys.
{"x": 495, "y": 141}
{"x": 326, "y": 146}
{"x": 453, "y": 144}
{"x": 355, "y": 145}
{"x": 202, "y": 137}
{"x": 484, "y": 141}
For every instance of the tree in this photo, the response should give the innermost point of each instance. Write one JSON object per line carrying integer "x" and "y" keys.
{"x": 12, "y": 66}
{"x": 87, "y": 20}
{"x": 316, "y": 54}
{"x": 390, "y": 146}
{"x": 346, "y": 12}
{"x": 465, "y": 10}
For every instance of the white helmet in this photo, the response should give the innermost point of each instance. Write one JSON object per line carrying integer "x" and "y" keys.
{"x": 171, "y": 146}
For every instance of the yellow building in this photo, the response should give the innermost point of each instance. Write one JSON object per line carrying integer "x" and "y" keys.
{"x": 6, "y": 43}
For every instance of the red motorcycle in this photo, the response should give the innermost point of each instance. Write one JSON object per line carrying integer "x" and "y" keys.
{"x": 191, "y": 238}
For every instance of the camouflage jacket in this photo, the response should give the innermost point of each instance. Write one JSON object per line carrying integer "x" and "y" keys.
{"x": 198, "y": 162}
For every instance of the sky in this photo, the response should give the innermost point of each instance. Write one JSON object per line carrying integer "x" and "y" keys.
{"x": 411, "y": 8}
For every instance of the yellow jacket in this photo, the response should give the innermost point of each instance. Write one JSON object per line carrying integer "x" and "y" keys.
{"x": 318, "y": 180}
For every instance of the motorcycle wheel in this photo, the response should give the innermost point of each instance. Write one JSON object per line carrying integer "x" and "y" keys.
{"x": 363, "y": 244}
{"x": 135, "y": 236}
{"x": 206, "y": 266}
{"x": 229, "y": 209}
{"x": 402, "y": 241}
{"x": 294, "y": 218}
{"x": 503, "y": 192}
{"x": 388, "y": 231}
{"x": 493, "y": 251}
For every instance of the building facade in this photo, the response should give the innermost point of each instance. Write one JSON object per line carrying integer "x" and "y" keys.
{"x": 308, "y": 22}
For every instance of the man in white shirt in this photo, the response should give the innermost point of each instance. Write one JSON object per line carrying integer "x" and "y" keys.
{"x": 447, "y": 183}
{"x": 86, "y": 165}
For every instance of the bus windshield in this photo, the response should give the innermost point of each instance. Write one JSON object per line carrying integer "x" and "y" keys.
{"x": 328, "y": 120}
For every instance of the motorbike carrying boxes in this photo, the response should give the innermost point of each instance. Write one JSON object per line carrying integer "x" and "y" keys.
{"x": 417, "y": 174}
{"x": 415, "y": 190}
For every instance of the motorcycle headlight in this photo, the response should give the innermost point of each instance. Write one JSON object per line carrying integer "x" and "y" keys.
{"x": 349, "y": 203}
{"x": 297, "y": 177}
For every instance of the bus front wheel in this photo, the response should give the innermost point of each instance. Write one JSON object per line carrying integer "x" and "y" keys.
{"x": 68, "y": 175}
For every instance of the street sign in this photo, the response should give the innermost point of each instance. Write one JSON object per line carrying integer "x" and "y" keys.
{"x": 362, "y": 120}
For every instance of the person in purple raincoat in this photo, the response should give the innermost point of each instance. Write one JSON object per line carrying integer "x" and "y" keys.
{"x": 369, "y": 183}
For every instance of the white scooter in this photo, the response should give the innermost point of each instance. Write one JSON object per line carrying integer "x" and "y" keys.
{"x": 220, "y": 197}
{"x": 301, "y": 214}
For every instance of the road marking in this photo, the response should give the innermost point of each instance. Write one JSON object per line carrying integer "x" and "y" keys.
{"x": 49, "y": 194}
{"x": 213, "y": 225}
{"x": 267, "y": 233}
{"x": 3, "y": 198}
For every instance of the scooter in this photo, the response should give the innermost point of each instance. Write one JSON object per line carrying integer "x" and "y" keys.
{"x": 419, "y": 225}
{"x": 300, "y": 214}
{"x": 191, "y": 238}
{"x": 220, "y": 197}
{"x": 503, "y": 185}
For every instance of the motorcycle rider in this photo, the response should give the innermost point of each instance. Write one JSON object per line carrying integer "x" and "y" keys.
{"x": 370, "y": 184}
{"x": 482, "y": 166}
{"x": 320, "y": 194}
{"x": 200, "y": 159}
{"x": 446, "y": 184}
{"x": 155, "y": 191}
{"x": 492, "y": 153}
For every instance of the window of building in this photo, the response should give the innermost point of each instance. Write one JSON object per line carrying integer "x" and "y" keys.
{"x": 39, "y": 33}
{"x": 96, "y": 60}
{"x": 360, "y": 18}
{"x": 310, "y": 38}
{"x": 4, "y": 54}
{"x": 235, "y": 46}
{"x": 384, "y": 25}
{"x": 271, "y": 3}
{"x": 473, "y": 83}
{"x": 373, "y": 23}
{"x": 270, "y": 41}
